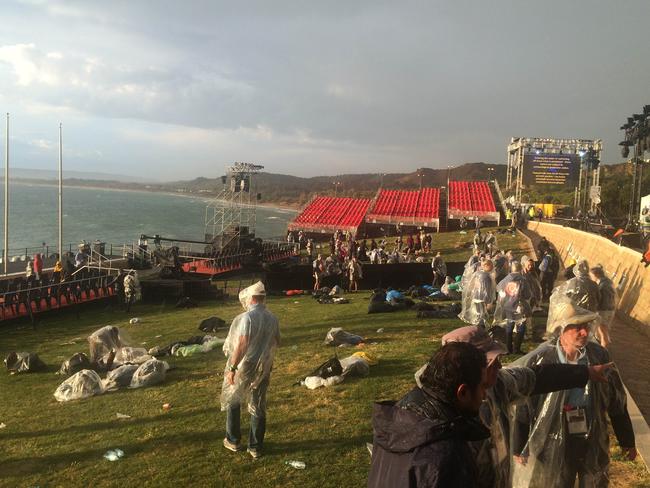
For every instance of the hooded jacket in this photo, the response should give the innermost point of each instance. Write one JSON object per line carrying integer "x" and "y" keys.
{"x": 422, "y": 441}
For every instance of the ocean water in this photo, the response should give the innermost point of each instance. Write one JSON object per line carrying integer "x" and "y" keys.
{"x": 112, "y": 216}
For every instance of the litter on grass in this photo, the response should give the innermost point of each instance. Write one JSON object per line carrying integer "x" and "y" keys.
{"x": 122, "y": 416}
{"x": 23, "y": 362}
{"x": 114, "y": 454}
{"x": 336, "y": 336}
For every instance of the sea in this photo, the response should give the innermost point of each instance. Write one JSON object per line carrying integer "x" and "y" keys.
{"x": 113, "y": 216}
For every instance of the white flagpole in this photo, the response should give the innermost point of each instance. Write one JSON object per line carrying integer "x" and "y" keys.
{"x": 5, "y": 252}
{"x": 60, "y": 195}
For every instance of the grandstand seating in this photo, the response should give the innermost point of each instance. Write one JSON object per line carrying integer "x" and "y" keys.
{"x": 417, "y": 204}
{"x": 414, "y": 207}
{"x": 471, "y": 196}
{"x": 329, "y": 212}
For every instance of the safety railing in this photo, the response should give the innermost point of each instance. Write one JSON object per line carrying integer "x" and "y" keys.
{"x": 25, "y": 302}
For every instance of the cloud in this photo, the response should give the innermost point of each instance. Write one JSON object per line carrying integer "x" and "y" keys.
{"x": 42, "y": 144}
{"x": 334, "y": 84}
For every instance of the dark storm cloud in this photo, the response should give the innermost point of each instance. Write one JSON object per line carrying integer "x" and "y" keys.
{"x": 437, "y": 82}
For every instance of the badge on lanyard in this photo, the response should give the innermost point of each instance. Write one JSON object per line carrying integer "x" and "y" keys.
{"x": 576, "y": 421}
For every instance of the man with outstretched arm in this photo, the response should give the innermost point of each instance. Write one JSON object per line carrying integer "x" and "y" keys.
{"x": 507, "y": 386}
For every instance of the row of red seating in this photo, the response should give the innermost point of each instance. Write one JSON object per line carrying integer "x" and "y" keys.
{"x": 330, "y": 211}
{"x": 472, "y": 196}
{"x": 314, "y": 210}
{"x": 398, "y": 203}
{"x": 429, "y": 206}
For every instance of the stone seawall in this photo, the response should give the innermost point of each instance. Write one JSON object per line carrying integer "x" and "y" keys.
{"x": 630, "y": 276}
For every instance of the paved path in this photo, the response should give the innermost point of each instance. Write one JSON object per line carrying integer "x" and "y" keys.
{"x": 630, "y": 350}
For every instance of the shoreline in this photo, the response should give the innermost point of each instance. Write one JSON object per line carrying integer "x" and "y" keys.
{"x": 159, "y": 192}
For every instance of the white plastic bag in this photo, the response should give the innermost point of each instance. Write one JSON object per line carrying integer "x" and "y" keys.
{"x": 149, "y": 373}
{"x": 137, "y": 355}
{"x": 84, "y": 384}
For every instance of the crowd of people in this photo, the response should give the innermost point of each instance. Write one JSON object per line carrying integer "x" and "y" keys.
{"x": 541, "y": 422}
{"x": 347, "y": 255}
{"x": 469, "y": 422}
{"x": 500, "y": 289}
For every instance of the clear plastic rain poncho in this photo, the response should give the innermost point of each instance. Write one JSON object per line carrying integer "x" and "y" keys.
{"x": 84, "y": 384}
{"x": 513, "y": 300}
{"x": 471, "y": 267}
{"x": 254, "y": 336}
{"x": 132, "y": 286}
{"x": 120, "y": 377}
{"x": 105, "y": 340}
{"x": 581, "y": 289}
{"x": 513, "y": 385}
{"x": 477, "y": 295}
{"x": 533, "y": 281}
{"x": 501, "y": 266}
{"x": 149, "y": 373}
{"x": 540, "y": 428}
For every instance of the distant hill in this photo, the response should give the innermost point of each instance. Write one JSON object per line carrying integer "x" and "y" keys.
{"x": 48, "y": 174}
{"x": 294, "y": 190}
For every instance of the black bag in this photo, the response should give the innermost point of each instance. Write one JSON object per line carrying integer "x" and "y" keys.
{"x": 497, "y": 333}
{"x": 186, "y": 302}
{"x": 378, "y": 297}
{"x": 380, "y": 307}
{"x": 212, "y": 324}
{"x": 331, "y": 367}
{"x": 75, "y": 364}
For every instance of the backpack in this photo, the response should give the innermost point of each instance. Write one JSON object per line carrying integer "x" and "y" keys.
{"x": 331, "y": 367}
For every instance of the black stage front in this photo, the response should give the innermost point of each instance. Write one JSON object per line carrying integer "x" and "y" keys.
{"x": 404, "y": 275}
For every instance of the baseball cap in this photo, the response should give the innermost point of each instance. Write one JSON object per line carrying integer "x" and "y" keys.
{"x": 479, "y": 338}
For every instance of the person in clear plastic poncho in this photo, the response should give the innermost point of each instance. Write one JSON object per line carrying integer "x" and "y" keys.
{"x": 563, "y": 435}
{"x": 582, "y": 291}
{"x": 513, "y": 306}
{"x": 506, "y": 387}
{"x": 530, "y": 273}
{"x": 606, "y": 304}
{"x": 478, "y": 294}
{"x": 250, "y": 347}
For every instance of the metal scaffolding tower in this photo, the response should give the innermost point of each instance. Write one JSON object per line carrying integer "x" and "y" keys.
{"x": 231, "y": 215}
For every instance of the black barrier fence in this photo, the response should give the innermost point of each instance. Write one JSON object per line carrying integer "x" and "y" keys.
{"x": 403, "y": 275}
{"x": 25, "y": 302}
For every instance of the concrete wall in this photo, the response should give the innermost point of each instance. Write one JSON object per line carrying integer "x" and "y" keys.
{"x": 630, "y": 276}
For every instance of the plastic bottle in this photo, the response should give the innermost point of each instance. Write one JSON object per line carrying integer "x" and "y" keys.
{"x": 296, "y": 464}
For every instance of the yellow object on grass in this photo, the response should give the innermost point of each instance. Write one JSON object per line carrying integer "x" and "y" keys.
{"x": 371, "y": 359}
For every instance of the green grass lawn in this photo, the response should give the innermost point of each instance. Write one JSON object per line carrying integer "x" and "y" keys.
{"x": 47, "y": 443}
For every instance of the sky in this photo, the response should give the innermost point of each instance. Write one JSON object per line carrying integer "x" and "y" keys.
{"x": 168, "y": 90}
